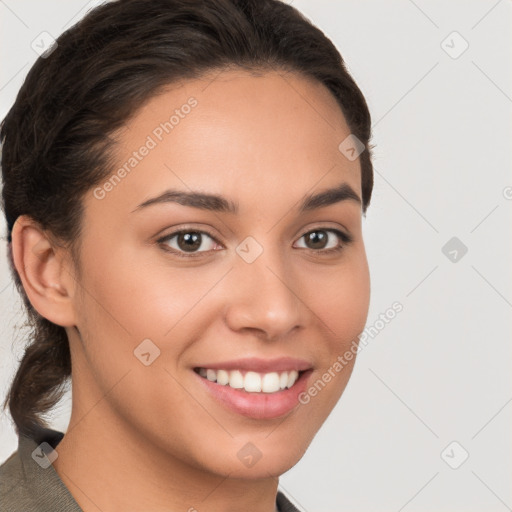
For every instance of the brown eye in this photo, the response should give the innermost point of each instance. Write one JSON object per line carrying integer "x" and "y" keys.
{"x": 324, "y": 241}
{"x": 188, "y": 241}
{"x": 316, "y": 239}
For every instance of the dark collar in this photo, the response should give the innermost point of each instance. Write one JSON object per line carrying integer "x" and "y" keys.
{"x": 42, "y": 481}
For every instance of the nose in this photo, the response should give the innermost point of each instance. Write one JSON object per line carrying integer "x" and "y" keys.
{"x": 263, "y": 297}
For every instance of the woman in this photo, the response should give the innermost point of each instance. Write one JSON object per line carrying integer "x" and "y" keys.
{"x": 184, "y": 186}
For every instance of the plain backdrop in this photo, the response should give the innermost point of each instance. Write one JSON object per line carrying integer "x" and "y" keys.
{"x": 425, "y": 422}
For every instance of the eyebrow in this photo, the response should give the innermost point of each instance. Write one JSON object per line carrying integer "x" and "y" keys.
{"x": 217, "y": 203}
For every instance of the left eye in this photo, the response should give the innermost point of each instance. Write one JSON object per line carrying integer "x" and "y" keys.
{"x": 321, "y": 236}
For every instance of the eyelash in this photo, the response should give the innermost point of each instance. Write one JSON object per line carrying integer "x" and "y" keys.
{"x": 347, "y": 239}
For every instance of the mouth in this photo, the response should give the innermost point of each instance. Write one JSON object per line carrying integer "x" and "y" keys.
{"x": 251, "y": 381}
{"x": 254, "y": 394}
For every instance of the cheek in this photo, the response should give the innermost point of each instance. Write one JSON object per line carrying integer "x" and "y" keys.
{"x": 340, "y": 297}
{"x": 131, "y": 293}
{"x": 341, "y": 302}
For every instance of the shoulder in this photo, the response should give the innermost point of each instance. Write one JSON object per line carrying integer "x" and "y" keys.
{"x": 28, "y": 481}
{"x": 14, "y": 494}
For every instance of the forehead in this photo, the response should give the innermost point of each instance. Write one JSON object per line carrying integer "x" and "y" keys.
{"x": 235, "y": 134}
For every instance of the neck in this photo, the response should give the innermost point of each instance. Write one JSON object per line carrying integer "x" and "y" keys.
{"x": 107, "y": 467}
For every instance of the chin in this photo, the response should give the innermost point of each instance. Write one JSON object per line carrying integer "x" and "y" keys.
{"x": 259, "y": 459}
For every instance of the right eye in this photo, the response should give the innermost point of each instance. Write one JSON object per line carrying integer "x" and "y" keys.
{"x": 187, "y": 241}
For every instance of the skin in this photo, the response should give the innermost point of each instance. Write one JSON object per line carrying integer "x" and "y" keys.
{"x": 150, "y": 437}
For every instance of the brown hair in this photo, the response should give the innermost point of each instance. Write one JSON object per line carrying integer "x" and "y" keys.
{"x": 58, "y": 136}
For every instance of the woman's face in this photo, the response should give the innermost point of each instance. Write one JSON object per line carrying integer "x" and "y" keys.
{"x": 258, "y": 290}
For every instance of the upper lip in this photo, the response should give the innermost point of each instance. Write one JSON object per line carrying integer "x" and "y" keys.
{"x": 279, "y": 364}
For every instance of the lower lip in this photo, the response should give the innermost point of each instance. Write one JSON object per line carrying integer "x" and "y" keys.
{"x": 258, "y": 405}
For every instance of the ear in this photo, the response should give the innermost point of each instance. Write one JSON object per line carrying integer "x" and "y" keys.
{"x": 45, "y": 272}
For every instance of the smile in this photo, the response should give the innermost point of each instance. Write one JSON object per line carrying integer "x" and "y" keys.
{"x": 250, "y": 381}
{"x": 260, "y": 389}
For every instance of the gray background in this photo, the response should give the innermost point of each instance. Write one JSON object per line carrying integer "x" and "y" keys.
{"x": 440, "y": 371}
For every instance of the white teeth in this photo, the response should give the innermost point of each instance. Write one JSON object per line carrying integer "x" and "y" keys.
{"x": 252, "y": 382}
{"x": 283, "y": 380}
{"x": 270, "y": 382}
{"x": 222, "y": 377}
{"x": 236, "y": 379}
{"x": 292, "y": 377}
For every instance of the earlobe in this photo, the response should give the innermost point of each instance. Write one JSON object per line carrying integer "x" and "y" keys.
{"x": 42, "y": 271}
